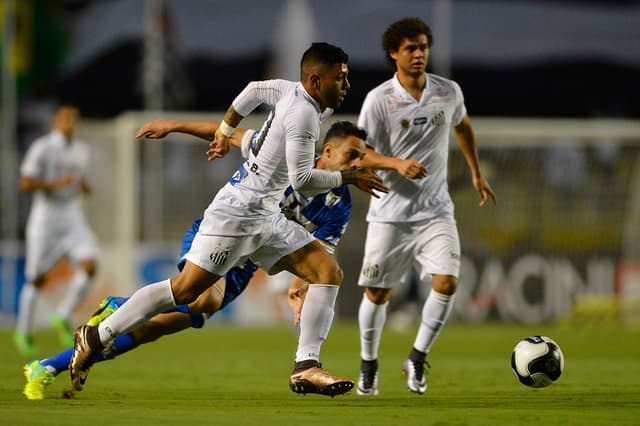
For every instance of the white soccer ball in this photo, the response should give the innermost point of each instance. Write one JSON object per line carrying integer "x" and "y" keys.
{"x": 537, "y": 361}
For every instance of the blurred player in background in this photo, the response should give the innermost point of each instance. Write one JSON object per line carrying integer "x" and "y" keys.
{"x": 54, "y": 170}
{"x": 407, "y": 119}
{"x": 244, "y": 221}
{"x": 325, "y": 215}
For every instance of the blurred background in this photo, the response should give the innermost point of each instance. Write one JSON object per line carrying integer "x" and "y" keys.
{"x": 552, "y": 88}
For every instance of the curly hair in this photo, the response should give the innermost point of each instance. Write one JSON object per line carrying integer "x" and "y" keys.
{"x": 400, "y": 30}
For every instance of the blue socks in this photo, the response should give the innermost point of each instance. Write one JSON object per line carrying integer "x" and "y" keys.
{"x": 60, "y": 362}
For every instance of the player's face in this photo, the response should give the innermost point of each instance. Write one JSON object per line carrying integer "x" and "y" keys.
{"x": 345, "y": 155}
{"x": 412, "y": 56}
{"x": 334, "y": 85}
{"x": 66, "y": 119}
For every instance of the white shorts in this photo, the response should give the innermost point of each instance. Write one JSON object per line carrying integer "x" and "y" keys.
{"x": 391, "y": 249}
{"x": 271, "y": 239}
{"x": 47, "y": 243}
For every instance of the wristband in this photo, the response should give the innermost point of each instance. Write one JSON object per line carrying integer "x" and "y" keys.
{"x": 226, "y": 129}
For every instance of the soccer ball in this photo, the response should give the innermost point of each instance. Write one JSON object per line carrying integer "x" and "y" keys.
{"x": 537, "y": 361}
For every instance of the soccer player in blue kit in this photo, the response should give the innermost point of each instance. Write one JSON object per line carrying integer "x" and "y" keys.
{"x": 324, "y": 215}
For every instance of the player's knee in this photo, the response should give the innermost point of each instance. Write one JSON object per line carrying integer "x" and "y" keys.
{"x": 445, "y": 284}
{"x": 335, "y": 275}
{"x": 378, "y": 296}
{"x": 330, "y": 273}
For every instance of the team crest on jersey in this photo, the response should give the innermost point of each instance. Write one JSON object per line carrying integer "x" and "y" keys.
{"x": 371, "y": 270}
{"x": 404, "y": 123}
{"x": 331, "y": 199}
{"x": 219, "y": 255}
{"x": 438, "y": 119}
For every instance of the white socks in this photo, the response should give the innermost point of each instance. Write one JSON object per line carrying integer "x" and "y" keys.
{"x": 315, "y": 320}
{"x": 28, "y": 298}
{"x": 75, "y": 293}
{"x": 141, "y": 306}
{"x": 371, "y": 318}
{"x": 435, "y": 312}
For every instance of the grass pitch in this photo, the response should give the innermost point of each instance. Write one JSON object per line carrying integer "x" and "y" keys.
{"x": 238, "y": 376}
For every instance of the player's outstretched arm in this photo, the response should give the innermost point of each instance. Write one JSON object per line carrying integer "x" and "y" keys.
{"x": 467, "y": 141}
{"x": 158, "y": 129}
{"x": 203, "y": 129}
{"x": 408, "y": 168}
{"x": 364, "y": 179}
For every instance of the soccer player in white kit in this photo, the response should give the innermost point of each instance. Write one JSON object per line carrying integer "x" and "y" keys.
{"x": 54, "y": 170}
{"x": 407, "y": 119}
{"x": 244, "y": 220}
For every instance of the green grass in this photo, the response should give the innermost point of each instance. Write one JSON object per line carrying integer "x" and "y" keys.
{"x": 238, "y": 376}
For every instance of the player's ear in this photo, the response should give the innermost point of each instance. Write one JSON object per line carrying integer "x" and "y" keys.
{"x": 326, "y": 150}
{"x": 315, "y": 80}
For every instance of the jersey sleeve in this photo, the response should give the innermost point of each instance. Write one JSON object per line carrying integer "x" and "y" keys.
{"x": 301, "y": 133}
{"x": 460, "y": 111}
{"x": 371, "y": 119}
{"x": 257, "y": 93}
{"x": 32, "y": 164}
{"x": 245, "y": 144}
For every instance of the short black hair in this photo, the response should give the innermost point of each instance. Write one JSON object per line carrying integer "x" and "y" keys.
{"x": 400, "y": 30}
{"x": 324, "y": 53}
{"x": 343, "y": 129}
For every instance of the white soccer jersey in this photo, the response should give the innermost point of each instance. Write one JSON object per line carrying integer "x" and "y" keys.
{"x": 51, "y": 157}
{"x": 284, "y": 154}
{"x": 399, "y": 126}
{"x": 56, "y": 226}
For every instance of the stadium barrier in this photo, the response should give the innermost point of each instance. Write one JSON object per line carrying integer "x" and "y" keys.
{"x": 565, "y": 232}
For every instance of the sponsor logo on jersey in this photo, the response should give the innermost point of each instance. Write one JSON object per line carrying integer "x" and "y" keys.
{"x": 442, "y": 92}
{"x": 219, "y": 255}
{"x": 331, "y": 199}
{"x": 419, "y": 120}
{"x": 396, "y": 103}
{"x": 371, "y": 270}
{"x": 438, "y": 119}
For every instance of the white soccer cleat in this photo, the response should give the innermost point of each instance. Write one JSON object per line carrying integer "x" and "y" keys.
{"x": 367, "y": 384}
{"x": 415, "y": 373}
